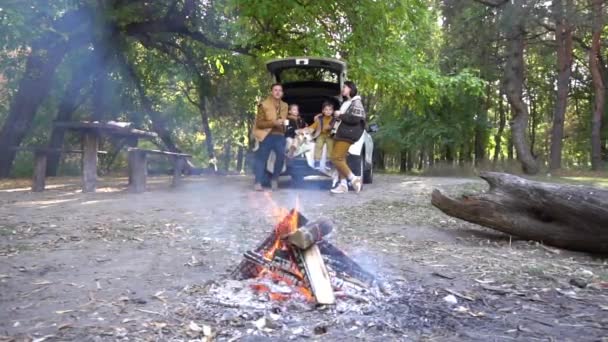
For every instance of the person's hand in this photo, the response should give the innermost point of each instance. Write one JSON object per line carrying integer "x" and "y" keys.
{"x": 337, "y": 113}
{"x": 279, "y": 123}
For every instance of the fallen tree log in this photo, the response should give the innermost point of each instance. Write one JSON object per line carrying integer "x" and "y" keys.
{"x": 566, "y": 216}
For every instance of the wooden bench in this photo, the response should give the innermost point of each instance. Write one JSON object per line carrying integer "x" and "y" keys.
{"x": 91, "y": 133}
{"x": 40, "y": 157}
{"x": 138, "y": 167}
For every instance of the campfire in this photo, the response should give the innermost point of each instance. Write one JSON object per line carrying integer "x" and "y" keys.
{"x": 296, "y": 259}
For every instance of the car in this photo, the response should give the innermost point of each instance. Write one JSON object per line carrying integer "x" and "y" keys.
{"x": 308, "y": 82}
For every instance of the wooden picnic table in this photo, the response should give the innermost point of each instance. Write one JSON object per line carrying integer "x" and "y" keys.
{"x": 40, "y": 156}
{"x": 91, "y": 133}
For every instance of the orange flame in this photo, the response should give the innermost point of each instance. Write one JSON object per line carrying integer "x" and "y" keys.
{"x": 287, "y": 222}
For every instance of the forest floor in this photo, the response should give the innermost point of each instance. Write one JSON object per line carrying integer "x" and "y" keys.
{"x": 113, "y": 265}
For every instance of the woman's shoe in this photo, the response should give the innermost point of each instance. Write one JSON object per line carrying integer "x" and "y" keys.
{"x": 340, "y": 189}
{"x": 357, "y": 184}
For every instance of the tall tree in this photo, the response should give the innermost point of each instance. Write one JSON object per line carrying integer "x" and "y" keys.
{"x": 598, "y": 83}
{"x": 563, "y": 40}
{"x": 46, "y": 54}
{"x": 514, "y": 74}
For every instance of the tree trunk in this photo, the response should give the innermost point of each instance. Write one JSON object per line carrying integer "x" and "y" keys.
{"x": 533, "y": 117}
{"x": 33, "y": 88}
{"x": 403, "y": 166}
{"x": 510, "y": 152}
{"x": 100, "y": 106}
{"x": 70, "y": 101}
{"x": 566, "y": 216}
{"x": 563, "y": 39}
{"x": 409, "y": 161}
{"x": 379, "y": 163}
{"x": 449, "y": 154}
{"x": 514, "y": 81}
{"x": 208, "y": 134}
{"x": 501, "y": 128}
{"x": 481, "y": 128}
{"x": 159, "y": 125}
{"x": 227, "y": 155}
{"x": 240, "y": 158}
{"x": 598, "y": 85}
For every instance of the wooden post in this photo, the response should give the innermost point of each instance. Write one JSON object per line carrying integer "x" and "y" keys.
{"x": 89, "y": 161}
{"x": 178, "y": 166}
{"x": 38, "y": 181}
{"x": 131, "y": 141}
{"x": 138, "y": 170}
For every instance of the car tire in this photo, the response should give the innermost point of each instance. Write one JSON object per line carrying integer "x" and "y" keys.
{"x": 355, "y": 163}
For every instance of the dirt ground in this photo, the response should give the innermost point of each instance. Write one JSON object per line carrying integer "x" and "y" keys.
{"x": 120, "y": 266}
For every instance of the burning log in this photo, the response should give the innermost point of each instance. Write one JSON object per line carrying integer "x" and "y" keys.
{"x": 276, "y": 266}
{"x": 296, "y": 253}
{"x": 317, "y": 275}
{"x": 246, "y": 268}
{"x": 310, "y": 234}
{"x": 344, "y": 266}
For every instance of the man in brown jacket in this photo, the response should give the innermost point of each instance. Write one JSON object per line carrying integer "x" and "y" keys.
{"x": 269, "y": 130}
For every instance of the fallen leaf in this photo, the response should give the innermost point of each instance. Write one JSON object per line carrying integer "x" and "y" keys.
{"x": 194, "y": 327}
{"x": 42, "y": 282}
{"x": 61, "y": 312}
{"x": 159, "y": 325}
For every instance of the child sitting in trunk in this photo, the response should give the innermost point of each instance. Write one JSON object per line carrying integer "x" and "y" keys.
{"x": 295, "y": 123}
{"x": 322, "y": 129}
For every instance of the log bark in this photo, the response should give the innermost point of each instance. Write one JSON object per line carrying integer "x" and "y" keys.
{"x": 311, "y": 233}
{"x": 566, "y": 216}
{"x": 317, "y": 275}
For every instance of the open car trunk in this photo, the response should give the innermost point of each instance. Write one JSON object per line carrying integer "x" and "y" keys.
{"x": 308, "y": 82}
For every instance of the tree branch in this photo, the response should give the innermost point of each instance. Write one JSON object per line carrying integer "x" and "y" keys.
{"x": 142, "y": 31}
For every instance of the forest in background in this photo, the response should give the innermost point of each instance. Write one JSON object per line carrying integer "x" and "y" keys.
{"x": 517, "y": 85}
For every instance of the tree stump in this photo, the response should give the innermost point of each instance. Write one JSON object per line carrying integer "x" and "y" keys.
{"x": 566, "y": 216}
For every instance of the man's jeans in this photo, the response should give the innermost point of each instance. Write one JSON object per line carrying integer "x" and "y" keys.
{"x": 273, "y": 142}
